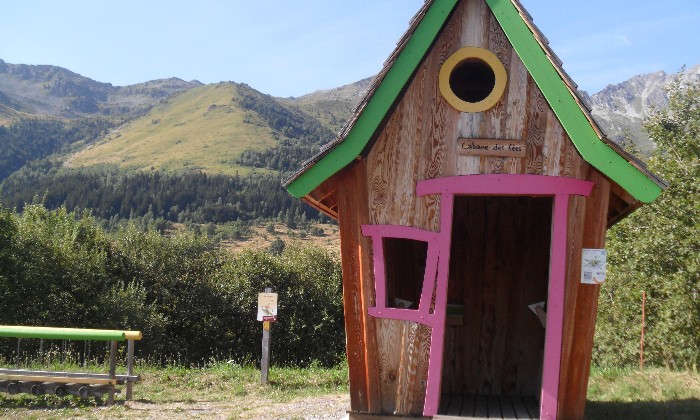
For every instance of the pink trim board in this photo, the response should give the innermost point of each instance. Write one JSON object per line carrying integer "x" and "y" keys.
{"x": 438, "y": 260}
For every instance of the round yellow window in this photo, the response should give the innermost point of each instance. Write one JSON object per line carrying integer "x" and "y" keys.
{"x": 473, "y": 79}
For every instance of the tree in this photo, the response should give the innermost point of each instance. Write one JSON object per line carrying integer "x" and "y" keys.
{"x": 8, "y": 233}
{"x": 277, "y": 247}
{"x": 657, "y": 250}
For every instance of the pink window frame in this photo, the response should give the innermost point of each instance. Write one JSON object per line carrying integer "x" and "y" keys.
{"x": 437, "y": 269}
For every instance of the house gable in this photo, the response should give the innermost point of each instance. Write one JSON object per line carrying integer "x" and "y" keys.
{"x": 540, "y": 63}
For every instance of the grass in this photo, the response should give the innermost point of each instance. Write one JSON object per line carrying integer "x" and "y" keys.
{"x": 225, "y": 381}
{"x": 230, "y": 390}
{"x": 227, "y": 389}
{"x": 200, "y": 129}
{"x": 652, "y": 394}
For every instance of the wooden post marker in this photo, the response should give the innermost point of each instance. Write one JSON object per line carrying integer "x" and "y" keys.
{"x": 267, "y": 313}
{"x": 641, "y": 340}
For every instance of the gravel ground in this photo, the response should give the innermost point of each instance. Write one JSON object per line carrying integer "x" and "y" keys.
{"x": 325, "y": 407}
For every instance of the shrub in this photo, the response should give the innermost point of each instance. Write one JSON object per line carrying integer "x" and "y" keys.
{"x": 193, "y": 302}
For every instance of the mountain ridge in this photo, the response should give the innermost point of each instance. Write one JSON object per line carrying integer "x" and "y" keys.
{"x": 621, "y": 108}
{"x": 215, "y": 133}
{"x": 205, "y": 153}
{"x": 58, "y": 92}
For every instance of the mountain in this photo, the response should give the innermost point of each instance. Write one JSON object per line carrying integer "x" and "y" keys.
{"x": 622, "y": 108}
{"x": 333, "y": 106}
{"x": 57, "y": 92}
{"x": 203, "y": 128}
{"x": 229, "y": 128}
{"x": 223, "y": 128}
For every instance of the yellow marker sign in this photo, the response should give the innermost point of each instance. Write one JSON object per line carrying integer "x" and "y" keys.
{"x": 266, "y": 325}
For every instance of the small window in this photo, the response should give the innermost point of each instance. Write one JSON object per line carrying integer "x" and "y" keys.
{"x": 404, "y": 262}
{"x": 472, "y": 79}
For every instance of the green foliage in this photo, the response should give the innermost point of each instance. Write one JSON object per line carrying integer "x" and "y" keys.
{"x": 32, "y": 138}
{"x": 657, "y": 250}
{"x": 58, "y": 263}
{"x": 196, "y": 197}
{"x": 302, "y": 134}
{"x": 310, "y": 309}
{"x": 193, "y": 302}
{"x": 8, "y": 234}
{"x": 277, "y": 247}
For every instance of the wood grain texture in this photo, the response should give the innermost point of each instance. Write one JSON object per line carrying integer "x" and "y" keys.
{"x": 358, "y": 289}
{"x": 573, "y": 383}
{"x": 496, "y": 117}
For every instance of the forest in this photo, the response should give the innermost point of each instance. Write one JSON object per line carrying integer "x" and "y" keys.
{"x": 192, "y": 300}
{"x": 303, "y": 136}
{"x": 32, "y": 170}
{"x": 195, "y": 197}
{"x": 30, "y": 139}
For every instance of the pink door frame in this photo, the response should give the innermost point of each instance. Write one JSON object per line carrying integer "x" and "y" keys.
{"x": 437, "y": 269}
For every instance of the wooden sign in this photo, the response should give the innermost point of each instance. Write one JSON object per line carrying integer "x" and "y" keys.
{"x": 491, "y": 147}
{"x": 267, "y": 312}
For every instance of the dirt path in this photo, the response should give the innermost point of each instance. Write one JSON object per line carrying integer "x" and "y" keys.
{"x": 325, "y": 407}
{"x": 328, "y": 407}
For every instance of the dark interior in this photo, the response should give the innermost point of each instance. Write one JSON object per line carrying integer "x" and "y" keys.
{"x": 405, "y": 261}
{"x": 472, "y": 80}
{"x": 499, "y": 264}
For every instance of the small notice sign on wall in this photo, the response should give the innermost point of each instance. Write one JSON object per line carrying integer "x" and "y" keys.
{"x": 593, "y": 266}
{"x": 491, "y": 147}
{"x": 267, "y": 306}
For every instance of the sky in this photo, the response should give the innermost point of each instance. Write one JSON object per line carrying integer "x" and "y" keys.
{"x": 294, "y": 47}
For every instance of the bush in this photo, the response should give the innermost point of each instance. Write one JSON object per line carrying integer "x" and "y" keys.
{"x": 193, "y": 302}
{"x": 657, "y": 250}
{"x": 310, "y": 312}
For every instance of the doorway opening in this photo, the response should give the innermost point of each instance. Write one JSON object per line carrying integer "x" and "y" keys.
{"x": 494, "y": 343}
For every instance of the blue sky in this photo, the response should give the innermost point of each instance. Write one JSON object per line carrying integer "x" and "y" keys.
{"x": 290, "y": 48}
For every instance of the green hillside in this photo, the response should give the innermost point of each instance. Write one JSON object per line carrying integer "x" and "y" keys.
{"x": 201, "y": 129}
{"x": 332, "y": 107}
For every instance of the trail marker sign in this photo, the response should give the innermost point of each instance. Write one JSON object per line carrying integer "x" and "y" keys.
{"x": 267, "y": 306}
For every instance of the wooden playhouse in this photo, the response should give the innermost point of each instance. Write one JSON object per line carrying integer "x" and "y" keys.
{"x": 466, "y": 186}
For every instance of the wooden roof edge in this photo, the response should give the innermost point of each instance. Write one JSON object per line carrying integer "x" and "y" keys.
{"x": 391, "y": 80}
{"x": 579, "y": 98}
{"x": 631, "y": 204}
{"x": 569, "y": 106}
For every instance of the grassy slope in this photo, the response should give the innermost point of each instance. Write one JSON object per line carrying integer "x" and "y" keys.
{"x": 331, "y": 107}
{"x": 200, "y": 129}
{"x": 331, "y": 113}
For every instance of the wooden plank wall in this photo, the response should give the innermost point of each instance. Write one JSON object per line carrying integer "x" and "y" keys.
{"x": 581, "y": 300}
{"x": 358, "y": 289}
{"x": 388, "y": 359}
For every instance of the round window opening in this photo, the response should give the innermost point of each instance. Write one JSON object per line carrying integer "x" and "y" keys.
{"x": 472, "y": 79}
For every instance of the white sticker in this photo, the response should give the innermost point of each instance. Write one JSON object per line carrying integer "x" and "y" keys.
{"x": 593, "y": 266}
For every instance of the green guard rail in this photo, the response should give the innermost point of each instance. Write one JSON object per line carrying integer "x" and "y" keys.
{"x": 18, "y": 331}
{"x": 11, "y": 378}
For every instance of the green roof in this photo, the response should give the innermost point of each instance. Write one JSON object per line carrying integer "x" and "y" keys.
{"x": 546, "y": 74}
